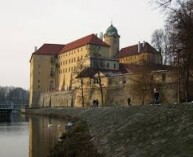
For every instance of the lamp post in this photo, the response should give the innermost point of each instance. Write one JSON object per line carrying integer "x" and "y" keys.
{"x": 178, "y": 51}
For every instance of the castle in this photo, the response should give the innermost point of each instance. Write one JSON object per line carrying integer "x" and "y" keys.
{"x": 91, "y": 67}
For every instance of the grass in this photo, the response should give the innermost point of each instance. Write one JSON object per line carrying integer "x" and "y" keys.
{"x": 76, "y": 142}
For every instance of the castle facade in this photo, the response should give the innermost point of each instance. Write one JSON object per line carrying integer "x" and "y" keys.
{"x": 96, "y": 65}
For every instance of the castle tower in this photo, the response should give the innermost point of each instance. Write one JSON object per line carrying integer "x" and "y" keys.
{"x": 111, "y": 37}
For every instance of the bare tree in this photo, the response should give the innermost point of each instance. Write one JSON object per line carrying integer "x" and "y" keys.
{"x": 78, "y": 80}
{"x": 14, "y": 94}
{"x": 98, "y": 65}
{"x": 160, "y": 40}
{"x": 180, "y": 19}
{"x": 163, "y": 4}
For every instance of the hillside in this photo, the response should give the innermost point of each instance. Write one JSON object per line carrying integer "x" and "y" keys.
{"x": 143, "y": 131}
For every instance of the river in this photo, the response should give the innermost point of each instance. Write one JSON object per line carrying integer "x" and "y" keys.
{"x": 33, "y": 136}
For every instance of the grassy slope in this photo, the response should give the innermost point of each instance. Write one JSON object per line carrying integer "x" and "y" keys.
{"x": 146, "y": 131}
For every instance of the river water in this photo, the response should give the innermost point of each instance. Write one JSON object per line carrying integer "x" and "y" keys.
{"x": 33, "y": 136}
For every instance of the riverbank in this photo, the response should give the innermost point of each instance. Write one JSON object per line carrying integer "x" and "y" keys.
{"x": 142, "y": 131}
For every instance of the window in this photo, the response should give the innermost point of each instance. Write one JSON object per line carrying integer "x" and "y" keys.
{"x": 123, "y": 81}
{"x": 163, "y": 77}
{"x": 107, "y": 65}
{"x": 51, "y": 73}
{"x": 38, "y": 81}
{"x": 74, "y": 59}
{"x": 114, "y": 66}
{"x": 110, "y": 81}
{"x": 96, "y": 80}
{"x": 151, "y": 78}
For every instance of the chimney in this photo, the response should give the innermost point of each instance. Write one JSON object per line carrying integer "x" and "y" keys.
{"x": 139, "y": 46}
{"x": 143, "y": 43}
{"x": 35, "y": 48}
{"x": 101, "y": 35}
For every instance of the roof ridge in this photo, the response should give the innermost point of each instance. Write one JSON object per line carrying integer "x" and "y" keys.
{"x": 52, "y": 44}
{"x": 80, "y": 38}
{"x": 129, "y": 46}
{"x": 89, "y": 39}
{"x": 136, "y": 45}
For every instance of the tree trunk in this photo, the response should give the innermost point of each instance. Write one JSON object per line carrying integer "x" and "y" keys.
{"x": 82, "y": 92}
{"x": 101, "y": 89}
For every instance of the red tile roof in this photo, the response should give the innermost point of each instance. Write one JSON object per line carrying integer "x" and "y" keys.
{"x": 49, "y": 49}
{"x": 133, "y": 50}
{"x": 90, "y": 72}
{"x": 90, "y": 39}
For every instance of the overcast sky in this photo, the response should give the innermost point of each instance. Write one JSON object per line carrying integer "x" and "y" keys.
{"x": 28, "y": 23}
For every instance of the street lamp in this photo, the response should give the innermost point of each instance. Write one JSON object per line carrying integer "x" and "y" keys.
{"x": 178, "y": 51}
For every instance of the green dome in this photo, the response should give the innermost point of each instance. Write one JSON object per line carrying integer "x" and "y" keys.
{"x": 111, "y": 30}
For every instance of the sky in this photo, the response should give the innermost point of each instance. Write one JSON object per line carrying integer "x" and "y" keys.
{"x": 28, "y": 23}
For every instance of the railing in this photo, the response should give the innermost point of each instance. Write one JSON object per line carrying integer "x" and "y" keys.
{"x": 6, "y": 106}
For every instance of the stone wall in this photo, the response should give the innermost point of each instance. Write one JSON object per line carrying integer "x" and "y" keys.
{"x": 112, "y": 97}
{"x": 56, "y": 99}
{"x": 117, "y": 90}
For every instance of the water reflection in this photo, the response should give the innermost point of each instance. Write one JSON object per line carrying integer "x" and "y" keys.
{"x": 44, "y": 133}
{"x": 14, "y": 137}
{"x": 5, "y": 118}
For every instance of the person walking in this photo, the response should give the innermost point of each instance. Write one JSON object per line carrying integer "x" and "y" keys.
{"x": 94, "y": 103}
{"x": 129, "y": 102}
{"x": 97, "y": 103}
{"x": 155, "y": 96}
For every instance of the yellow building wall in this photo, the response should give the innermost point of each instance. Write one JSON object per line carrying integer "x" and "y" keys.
{"x": 41, "y": 79}
{"x": 142, "y": 58}
{"x": 70, "y": 61}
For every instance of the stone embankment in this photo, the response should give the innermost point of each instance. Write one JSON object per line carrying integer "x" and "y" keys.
{"x": 143, "y": 131}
